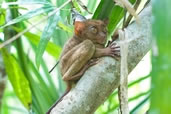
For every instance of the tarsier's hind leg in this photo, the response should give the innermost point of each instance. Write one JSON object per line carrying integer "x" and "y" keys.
{"x": 81, "y": 54}
{"x": 82, "y": 71}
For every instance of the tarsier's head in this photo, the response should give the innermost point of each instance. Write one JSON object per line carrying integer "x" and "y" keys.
{"x": 94, "y": 30}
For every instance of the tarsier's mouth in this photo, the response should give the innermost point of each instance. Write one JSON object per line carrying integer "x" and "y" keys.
{"x": 103, "y": 41}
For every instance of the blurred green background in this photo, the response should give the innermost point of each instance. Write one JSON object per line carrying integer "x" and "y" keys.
{"x": 25, "y": 84}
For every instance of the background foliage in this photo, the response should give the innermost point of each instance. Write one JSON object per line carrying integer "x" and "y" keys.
{"x": 160, "y": 60}
{"x": 28, "y": 59}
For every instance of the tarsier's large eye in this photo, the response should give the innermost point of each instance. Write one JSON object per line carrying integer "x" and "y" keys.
{"x": 93, "y": 30}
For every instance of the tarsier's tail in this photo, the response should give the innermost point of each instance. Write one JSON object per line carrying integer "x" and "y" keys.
{"x": 54, "y": 67}
{"x": 60, "y": 99}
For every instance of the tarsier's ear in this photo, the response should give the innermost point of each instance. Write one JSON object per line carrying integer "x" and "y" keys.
{"x": 106, "y": 21}
{"x": 79, "y": 27}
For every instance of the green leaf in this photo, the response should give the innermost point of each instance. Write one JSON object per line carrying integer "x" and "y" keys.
{"x": 64, "y": 27}
{"x": 108, "y": 9}
{"x": 17, "y": 79}
{"x": 26, "y": 2}
{"x": 76, "y": 5}
{"x": 2, "y": 16}
{"x": 29, "y": 15}
{"x": 51, "y": 48}
{"x": 18, "y": 7}
{"x": 133, "y": 83}
{"x": 115, "y": 17}
{"x": 91, "y": 5}
{"x": 161, "y": 62}
{"x": 46, "y": 35}
{"x": 103, "y": 10}
{"x": 133, "y": 98}
{"x": 139, "y": 105}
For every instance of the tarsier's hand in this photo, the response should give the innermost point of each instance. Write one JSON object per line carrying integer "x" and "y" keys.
{"x": 113, "y": 50}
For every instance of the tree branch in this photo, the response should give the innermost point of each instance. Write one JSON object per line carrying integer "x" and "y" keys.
{"x": 102, "y": 79}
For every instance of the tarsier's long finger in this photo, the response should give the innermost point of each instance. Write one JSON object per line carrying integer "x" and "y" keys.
{"x": 116, "y": 51}
{"x": 115, "y": 47}
{"x": 115, "y": 56}
{"x": 113, "y": 51}
{"x": 114, "y": 44}
{"x": 93, "y": 62}
{"x": 118, "y": 54}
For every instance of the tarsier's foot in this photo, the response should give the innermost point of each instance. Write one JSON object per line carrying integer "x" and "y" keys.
{"x": 88, "y": 65}
{"x": 92, "y": 62}
{"x": 113, "y": 50}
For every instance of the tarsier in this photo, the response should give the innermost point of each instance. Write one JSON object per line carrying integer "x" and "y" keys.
{"x": 83, "y": 51}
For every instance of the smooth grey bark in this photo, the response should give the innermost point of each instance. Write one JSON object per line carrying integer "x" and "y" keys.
{"x": 101, "y": 80}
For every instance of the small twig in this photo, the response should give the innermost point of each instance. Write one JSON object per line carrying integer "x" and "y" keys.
{"x": 124, "y": 20}
{"x": 35, "y": 27}
{"x": 123, "y": 88}
{"x": 39, "y": 22}
{"x": 148, "y": 1}
{"x": 130, "y": 16}
{"x": 126, "y": 4}
{"x": 83, "y": 6}
{"x": 54, "y": 67}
